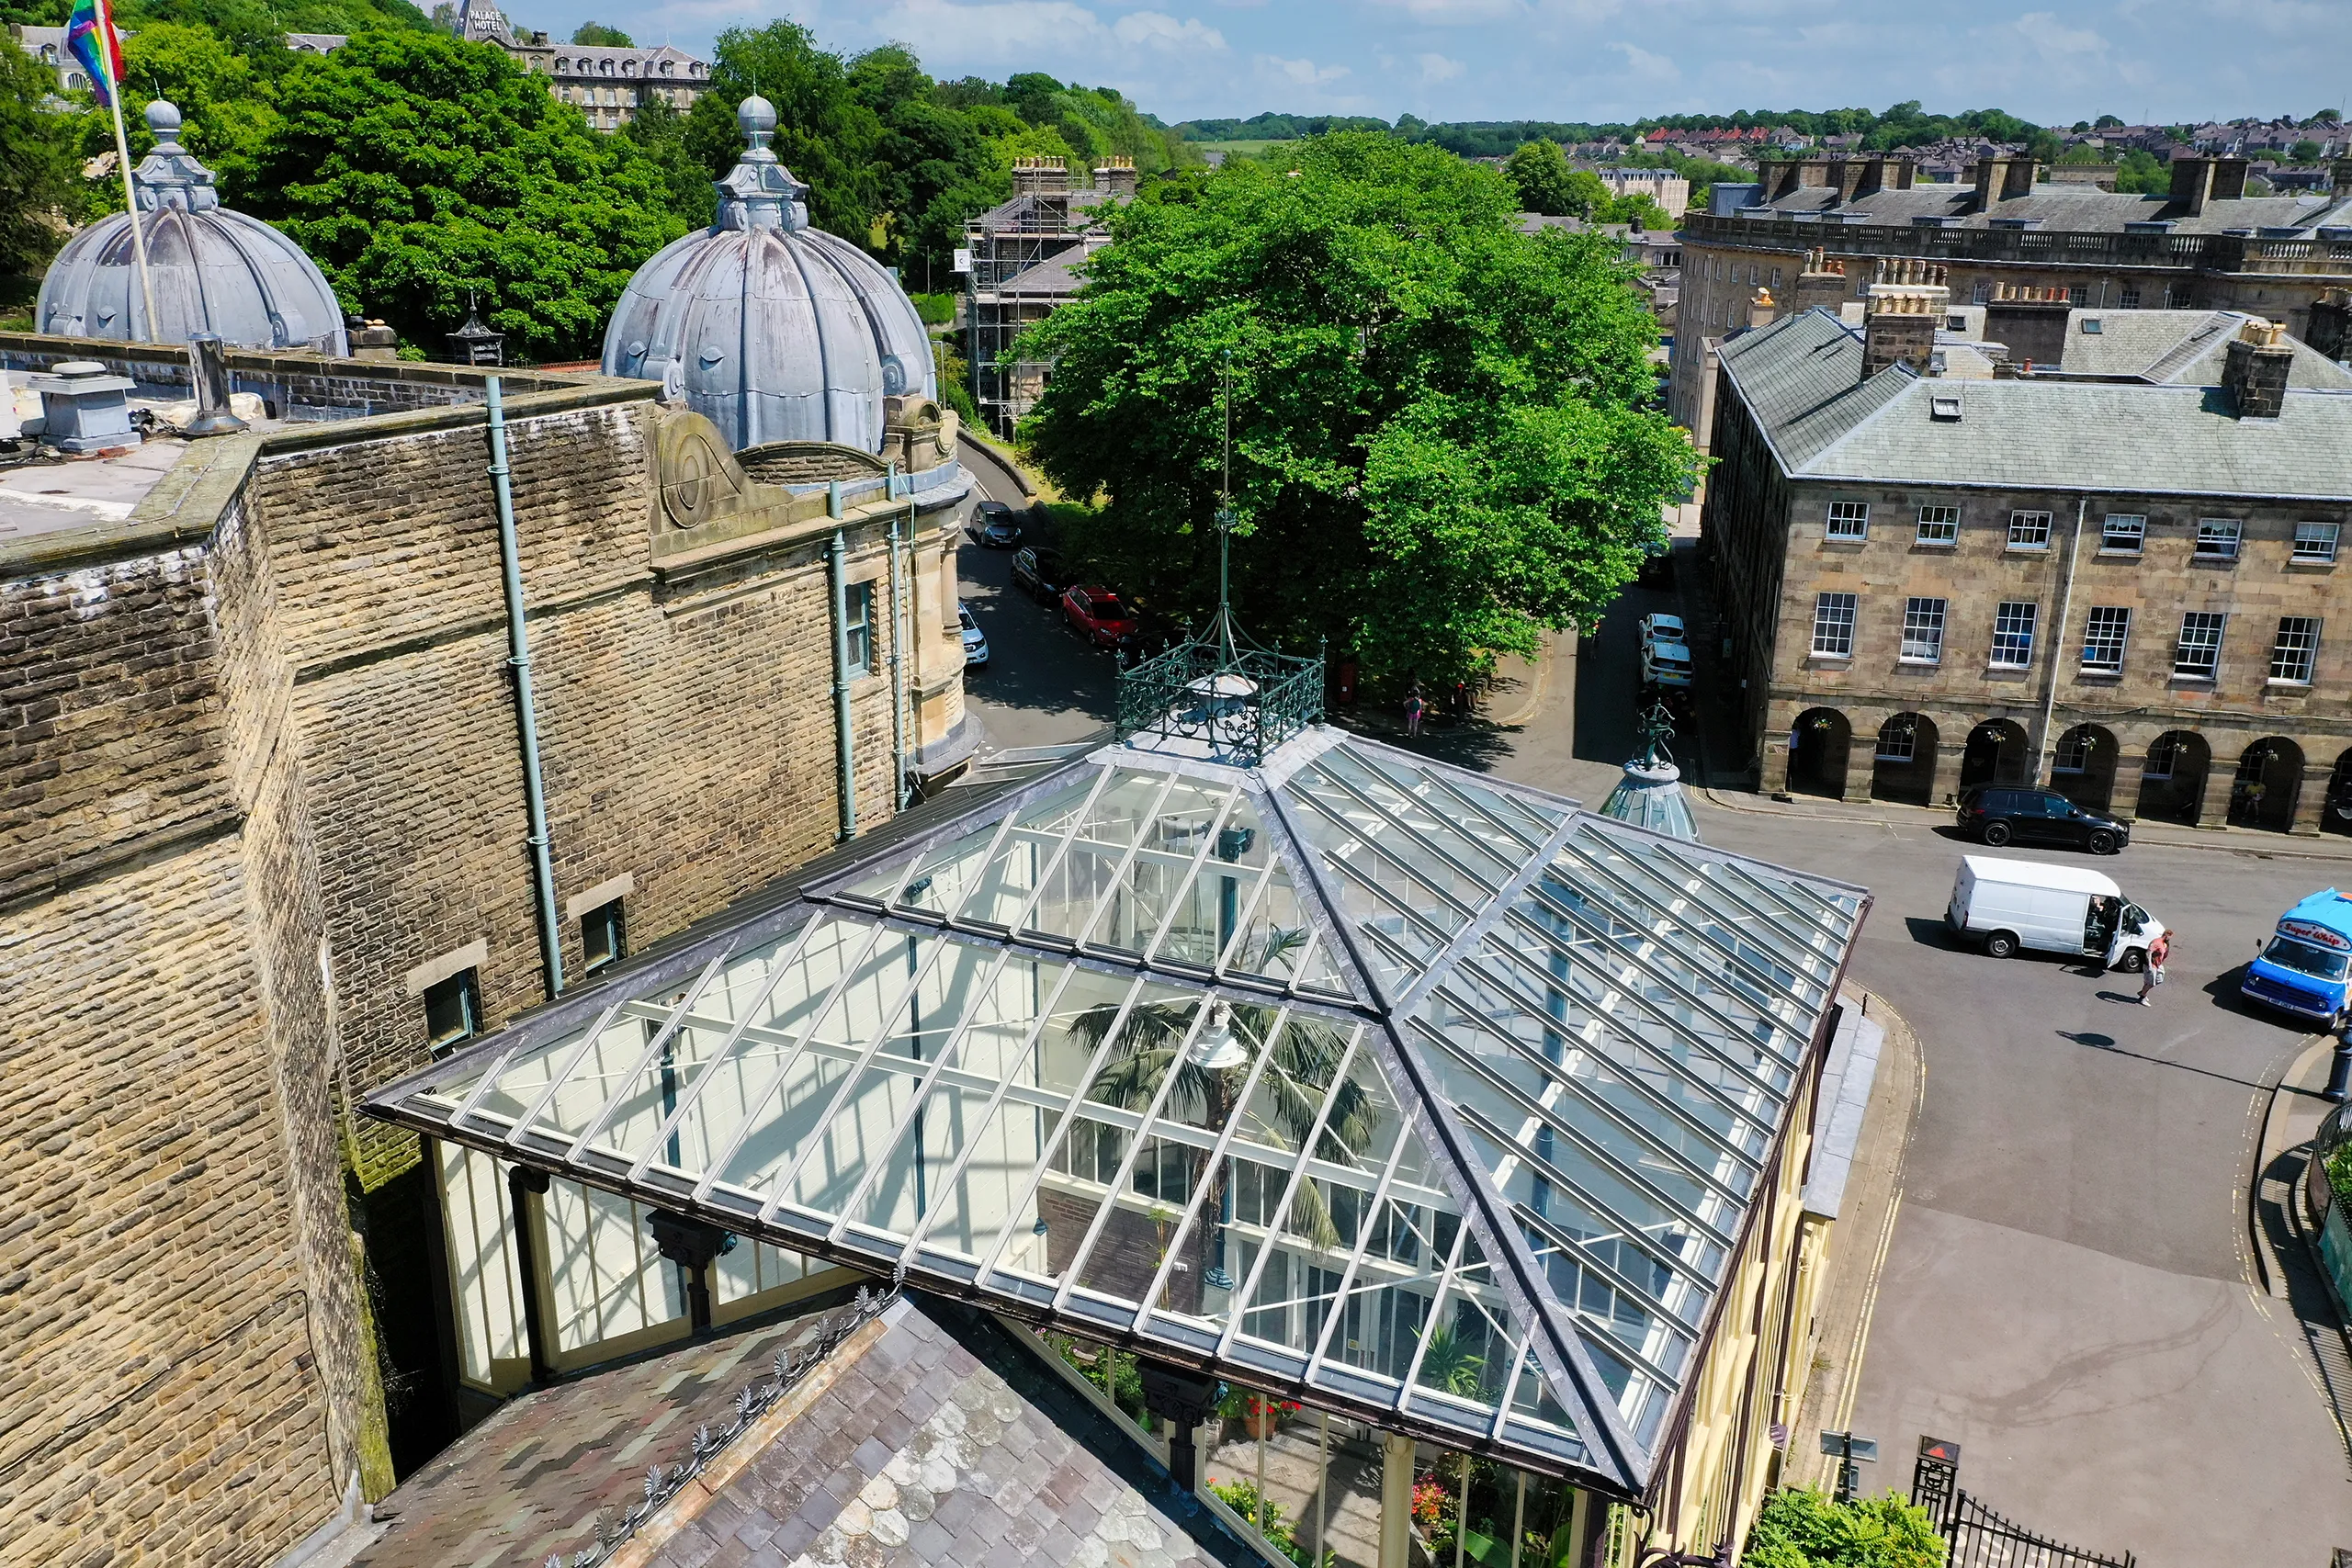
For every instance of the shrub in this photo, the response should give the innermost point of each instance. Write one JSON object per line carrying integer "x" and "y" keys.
{"x": 1803, "y": 1529}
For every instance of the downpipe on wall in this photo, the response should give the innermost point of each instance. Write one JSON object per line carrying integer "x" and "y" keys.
{"x": 518, "y": 659}
{"x": 838, "y": 554}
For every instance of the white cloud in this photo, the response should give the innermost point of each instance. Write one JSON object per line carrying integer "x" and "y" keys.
{"x": 2053, "y": 38}
{"x": 1643, "y": 66}
{"x": 1444, "y": 13}
{"x": 1157, "y": 29}
{"x": 1306, "y": 73}
{"x": 1438, "y": 68}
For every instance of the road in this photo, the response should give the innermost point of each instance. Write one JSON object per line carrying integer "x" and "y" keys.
{"x": 2069, "y": 1292}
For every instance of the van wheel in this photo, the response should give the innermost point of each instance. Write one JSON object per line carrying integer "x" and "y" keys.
{"x": 2102, "y": 844}
{"x": 1997, "y": 833}
{"x": 2002, "y": 945}
{"x": 2134, "y": 959}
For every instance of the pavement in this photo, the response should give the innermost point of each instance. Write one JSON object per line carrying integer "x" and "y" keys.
{"x": 2063, "y": 1274}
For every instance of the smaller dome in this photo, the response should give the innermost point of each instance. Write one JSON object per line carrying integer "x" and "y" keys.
{"x": 774, "y": 331}
{"x": 1650, "y": 795}
{"x": 212, "y": 270}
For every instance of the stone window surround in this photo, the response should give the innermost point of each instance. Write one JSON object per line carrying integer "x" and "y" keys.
{"x": 2296, "y": 639}
{"x": 596, "y": 897}
{"x": 2210, "y": 530}
{"x": 1946, "y": 519}
{"x": 475, "y": 954}
{"x": 1847, "y": 522}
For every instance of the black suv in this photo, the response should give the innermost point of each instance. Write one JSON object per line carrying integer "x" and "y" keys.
{"x": 1039, "y": 573}
{"x": 2002, "y": 813}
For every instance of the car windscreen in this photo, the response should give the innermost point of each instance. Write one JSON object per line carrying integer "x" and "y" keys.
{"x": 1107, "y": 608}
{"x": 2302, "y": 957}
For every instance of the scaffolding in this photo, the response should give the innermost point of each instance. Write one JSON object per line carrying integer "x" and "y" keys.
{"x": 1020, "y": 257}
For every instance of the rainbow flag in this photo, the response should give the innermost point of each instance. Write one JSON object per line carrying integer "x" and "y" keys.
{"x": 89, "y": 33}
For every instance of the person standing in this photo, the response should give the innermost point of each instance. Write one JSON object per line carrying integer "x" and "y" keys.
{"x": 1414, "y": 707}
{"x": 2158, "y": 950}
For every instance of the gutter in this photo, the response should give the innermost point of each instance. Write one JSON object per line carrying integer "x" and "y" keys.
{"x": 518, "y": 659}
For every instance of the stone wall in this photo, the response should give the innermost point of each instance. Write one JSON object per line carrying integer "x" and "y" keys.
{"x": 255, "y": 771}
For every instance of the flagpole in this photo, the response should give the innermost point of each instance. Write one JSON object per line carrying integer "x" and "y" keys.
{"x": 122, "y": 151}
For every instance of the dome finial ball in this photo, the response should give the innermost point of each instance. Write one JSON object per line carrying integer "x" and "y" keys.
{"x": 163, "y": 119}
{"x": 756, "y": 115}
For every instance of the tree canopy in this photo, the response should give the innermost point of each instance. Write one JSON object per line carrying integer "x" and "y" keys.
{"x": 419, "y": 170}
{"x": 1444, "y": 442}
{"x": 1800, "y": 1528}
{"x": 40, "y": 187}
{"x": 601, "y": 33}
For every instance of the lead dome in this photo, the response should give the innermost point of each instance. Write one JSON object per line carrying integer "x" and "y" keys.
{"x": 214, "y": 270}
{"x": 776, "y": 330}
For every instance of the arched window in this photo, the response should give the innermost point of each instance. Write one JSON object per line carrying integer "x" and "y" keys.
{"x": 606, "y": 67}
{"x": 668, "y": 67}
{"x": 561, "y": 65}
{"x": 75, "y": 79}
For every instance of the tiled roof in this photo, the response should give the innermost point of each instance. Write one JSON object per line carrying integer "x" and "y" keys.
{"x": 1801, "y": 377}
{"x": 2070, "y": 208}
{"x": 1056, "y": 275}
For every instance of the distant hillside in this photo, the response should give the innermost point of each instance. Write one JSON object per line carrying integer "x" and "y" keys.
{"x": 1904, "y": 125}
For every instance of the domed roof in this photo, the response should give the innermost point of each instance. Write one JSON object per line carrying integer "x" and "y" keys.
{"x": 1650, "y": 795}
{"x": 774, "y": 331}
{"x": 213, "y": 270}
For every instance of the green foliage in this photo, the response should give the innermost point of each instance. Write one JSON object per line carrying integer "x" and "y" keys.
{"x": 2338, "y": 1166}
{"x": 1119, "y": 1377}
{"x": 2142, "y": 174}
{"x": 659, "y": 132}
{"x": 824, "y": 133}
{"x": 1804, "y": 1529}
{"x": 601, "y": 34}
{"x": 936, "y": 309}
{"x": 2304, "y": 152}
{"x": 1443, "y": 438}
{"x": 417, "y": 169}
{"x": 1241, "y": 1496}
{"x": 1642, "y": 211}
{"x": 2106, "y": 122}
{"x": 41, "y": 183}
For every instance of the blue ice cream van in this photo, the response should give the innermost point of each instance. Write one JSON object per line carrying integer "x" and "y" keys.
{"x": 2302, "y": 969}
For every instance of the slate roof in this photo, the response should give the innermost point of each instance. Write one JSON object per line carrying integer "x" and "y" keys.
{"x": 1056, "y": 275}
{"x": 2070, "y": 208}
{"x": 1801, "y": 378}
{"x": 2185, "y": 347}
{"x": 930, "y": 1436}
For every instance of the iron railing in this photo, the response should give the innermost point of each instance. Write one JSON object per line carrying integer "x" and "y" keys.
{"x": 1977, "y": 1535}
{"x": 1235, "y": 702}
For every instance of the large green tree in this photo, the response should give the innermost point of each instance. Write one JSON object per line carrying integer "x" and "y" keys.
{"x": 419, "y": 170}
{"x": 1443, "y": 443}
{"x": 40, "y": 186}
{"x": 824, "y": 134}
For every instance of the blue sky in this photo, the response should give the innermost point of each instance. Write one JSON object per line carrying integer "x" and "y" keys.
{"x": 1587, "y": 59}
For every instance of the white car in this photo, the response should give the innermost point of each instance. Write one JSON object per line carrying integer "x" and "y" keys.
{"x": 975, "y": 642}
{"x": 1665, "y": 664}
{"x": 1663, "y": 628}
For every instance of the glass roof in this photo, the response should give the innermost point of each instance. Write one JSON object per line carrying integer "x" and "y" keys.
{"x": 1415, "y": 1093}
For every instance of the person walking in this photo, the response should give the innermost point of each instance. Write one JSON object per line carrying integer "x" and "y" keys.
{"x": 2158, "y": 950}
{"x": 1414, "y": 709}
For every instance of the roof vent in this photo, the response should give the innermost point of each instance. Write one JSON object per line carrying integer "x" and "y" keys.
{"x": 2093, "y": 325}
{"x": 1946, "y": 409}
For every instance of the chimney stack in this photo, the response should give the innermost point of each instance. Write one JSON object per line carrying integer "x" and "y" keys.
{"x": 1907, "y": 304}
{"x": 2031, "y": 320}
{"x": 2343, "y": 191}
{"x": 2330, "y": 330}
{"x": 2255, "y": 372}
{"x": 2198, "y": 182}
{"x": 1115, "y": 175}
{"x": 1822, "y": 282}
{"x": 1040, "y": 176}
{"x": 2001, "y": 178}
{"x": 1762, "y": 311}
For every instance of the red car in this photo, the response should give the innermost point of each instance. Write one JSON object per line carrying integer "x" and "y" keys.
{"x": 1097, "y": 615}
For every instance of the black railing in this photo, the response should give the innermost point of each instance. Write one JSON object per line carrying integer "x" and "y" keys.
{"x": 1977, "y": 1535}
{"x": 1234, "y": 702}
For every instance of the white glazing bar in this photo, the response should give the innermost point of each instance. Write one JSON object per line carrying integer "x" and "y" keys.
{"x": 507, "y": 1058}
{"x": 1208, "y": 1168}
{"x": 735, "y": 1033}
{"x": 1438, "y": 1303}
{"x": 1202, "y": 1007}
{"x": 1191, "y": 876}
{"x": 987, "y": 1118}
{"x": 1246, "y": 912}
{"x": 949, "y": 1050}
{"x": 884, "y": 1023}
{"x": 1808, "y": 941}
{"x": 1476, "y": 878}
{"x": 1674, "y": 917}
{"x": 790, "y": 1056}
{"x": 1248, "y": 1292}
{"x": 1005, "y": 831}
{"x": 898, "y": 900}
{"x": 579, "y": 1048}
{"x": 1405, "y": 1138}
{"x": 1510, "y": 1386}
{"x": 1117, "y": 881}
{"x": 1061, "y": 852}
{"x": 1061, "y": 1130}
{"x": 1374, "y": 847}
{"x": 652, "y": 1049}
{"x": 1633, "y": 959}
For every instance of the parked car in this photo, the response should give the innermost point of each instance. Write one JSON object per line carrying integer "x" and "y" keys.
{"x": 975, "y": 642}
{"x": 1039, "y": 573}
{"x": 1665, "y": 664}
{"x": 2002, "y": 813}
{"x": 994, "y": 526}
{"x": 2010, "y": 905}
{"x": 1658, "y": 568}
{"x": 1663, "y": 627}
{"x": 2303, "y": 968}
{"x": 1097, "y": 615}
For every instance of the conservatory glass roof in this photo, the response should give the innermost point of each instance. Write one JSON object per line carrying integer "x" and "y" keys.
{"x": 1407, "y": 1092}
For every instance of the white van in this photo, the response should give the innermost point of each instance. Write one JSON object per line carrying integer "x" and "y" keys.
{"x": 2013, "y": 904}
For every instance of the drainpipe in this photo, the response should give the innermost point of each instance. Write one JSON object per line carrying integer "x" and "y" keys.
{"x": 518, "y": 659}
{"x": 839, "y": 554}
{"x": 2058, "y": 642}
{"x": 898, "y": 655}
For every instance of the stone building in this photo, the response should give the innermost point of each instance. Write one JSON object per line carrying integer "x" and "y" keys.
{"x": 1669, "y": 190}
{"x": 609, "y": 83}
{"x": 47, "y": 45}
{"x": 269, "y": 841}
{"x": 2206, "y": 244}
{"x": 2115, "y": 573}
{"x": 1020, "y": 261}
